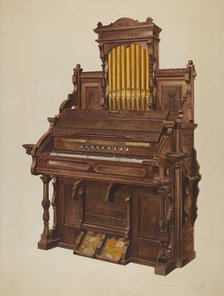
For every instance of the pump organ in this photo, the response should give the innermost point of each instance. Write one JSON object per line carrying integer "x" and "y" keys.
{"x": 121, "y": 156}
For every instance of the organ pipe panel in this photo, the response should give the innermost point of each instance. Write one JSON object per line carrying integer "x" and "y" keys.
{"x": 129, "y": 78}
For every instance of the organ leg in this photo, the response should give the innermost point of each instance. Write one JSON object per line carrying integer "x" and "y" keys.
{"x": 47, "y": 241}
{"x": 165, "y": 262}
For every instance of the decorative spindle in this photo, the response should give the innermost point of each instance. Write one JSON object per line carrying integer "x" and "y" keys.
{"x": 104, "y": 76}
{"x": 46, "y": 204}
{"x": 54, "y": 204}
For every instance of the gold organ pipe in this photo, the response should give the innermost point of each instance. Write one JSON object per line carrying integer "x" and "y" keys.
{"x": 133, "y": 48}
{"x": 123, "y": 93}
{"x": 147, "y": 79}
{"x": 128, "y": 77}
{"x": 143, "y": 72}
{"x": 110, "y": 80}
{"x": 118, "y": 72}
{"x": 113, "y": 78}
{"x": 138, "y": 65}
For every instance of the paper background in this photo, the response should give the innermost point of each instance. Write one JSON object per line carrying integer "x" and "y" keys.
{"x": 41, "y": 41}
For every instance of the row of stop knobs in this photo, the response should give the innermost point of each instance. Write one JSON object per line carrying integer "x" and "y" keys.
{"x": 105, "y": 148}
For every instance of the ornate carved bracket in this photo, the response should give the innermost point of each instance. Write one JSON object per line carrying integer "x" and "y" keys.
{"x": 191, "y": 191}
{"x": 74, "y": 97}
{"x": 112, "y": 188}
{"x": 28, "y": 148}
{"x": 78, "y": 189}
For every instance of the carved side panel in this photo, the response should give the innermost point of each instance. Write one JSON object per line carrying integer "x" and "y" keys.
{"x": 91, "y": 95}
{"x": 71, "y": 208}
{"x": 149, "y": 218}
{"x": 68, "y": 212}
{"x": 92, "y": 98}
{"x": 171, "y": 98}
{"x": 187, "y": 142}
{"x": 145, "y": 225}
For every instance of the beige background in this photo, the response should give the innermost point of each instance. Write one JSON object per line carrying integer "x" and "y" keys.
{"x": 41, "y": 41}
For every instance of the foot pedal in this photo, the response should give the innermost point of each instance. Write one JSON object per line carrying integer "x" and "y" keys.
{"x": 114, "y": 249}
{"x": 88, "y": 243}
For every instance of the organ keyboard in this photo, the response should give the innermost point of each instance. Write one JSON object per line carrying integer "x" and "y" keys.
{"x": 121, "y": 156}
{"x": 100, "y": 157}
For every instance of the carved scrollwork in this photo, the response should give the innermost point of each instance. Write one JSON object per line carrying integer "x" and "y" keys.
{"x": 124, "y": 22}
{"x": 196, "y": 178}
{"x": 161, "y": 182}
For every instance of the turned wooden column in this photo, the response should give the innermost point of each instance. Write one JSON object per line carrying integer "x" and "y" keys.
{"x": 164, "y": 194}
{"x": 46, "y": 241}
{"x": 179, "y": 208}
{"x": 104, "y": 76}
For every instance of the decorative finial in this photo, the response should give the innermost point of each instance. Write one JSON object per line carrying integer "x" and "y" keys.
{"x": 190, "y": 62}
{"x": 78, "y": 66}
{"x": 99, "y": 25}
{"x": 149, "y": 20}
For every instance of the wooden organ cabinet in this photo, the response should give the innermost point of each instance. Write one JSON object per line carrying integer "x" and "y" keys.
{"x": 120, "y": 155}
